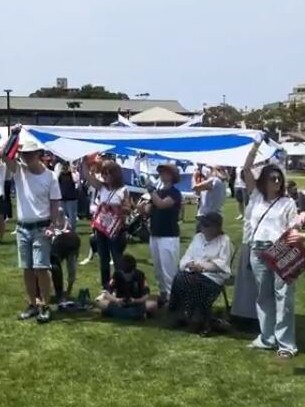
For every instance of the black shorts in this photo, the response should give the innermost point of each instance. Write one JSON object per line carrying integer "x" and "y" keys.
{"x": 241, "y": 195}
{"x": 2, "y": 209}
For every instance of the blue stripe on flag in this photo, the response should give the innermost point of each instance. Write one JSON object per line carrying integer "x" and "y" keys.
{"x": 179, "y": 144}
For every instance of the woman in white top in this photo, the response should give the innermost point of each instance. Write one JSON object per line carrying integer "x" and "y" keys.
{"x": 203, "y": 270}
{"x": 272, "y": 214}
{"x": 113, "y": 193}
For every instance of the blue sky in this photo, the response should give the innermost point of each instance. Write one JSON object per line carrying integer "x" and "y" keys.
{"x": 191, "y": 50}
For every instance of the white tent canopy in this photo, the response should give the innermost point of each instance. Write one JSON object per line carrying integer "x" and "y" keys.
{"x": 159, "y": 115}
{"x": 294, "y": 148}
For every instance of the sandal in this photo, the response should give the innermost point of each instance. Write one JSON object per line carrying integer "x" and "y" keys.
{"x": 285, "y": 354}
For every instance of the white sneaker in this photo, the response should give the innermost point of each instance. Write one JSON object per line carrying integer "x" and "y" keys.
{"x": 101, "y": 296}
{"x": 85, "y": 261}
{"x": 259, "y": 344}
{"x": 14, "y": 232}
{"x": 239, "y": 217}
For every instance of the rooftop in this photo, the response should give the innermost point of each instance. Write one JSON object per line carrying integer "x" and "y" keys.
{"x": 158, "y": 115}
{"x": 90, "y": 105}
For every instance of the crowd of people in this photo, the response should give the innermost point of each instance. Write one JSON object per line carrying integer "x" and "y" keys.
{"x": 48, "y": 201}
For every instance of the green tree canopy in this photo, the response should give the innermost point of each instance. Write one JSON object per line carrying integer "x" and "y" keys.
{"x": 85, "y": 92}
{"x": 285, "y": 118}
{"x": 222, "y": 116}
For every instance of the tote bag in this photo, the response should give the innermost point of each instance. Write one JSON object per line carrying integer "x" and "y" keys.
{"x": 108, "y": 218}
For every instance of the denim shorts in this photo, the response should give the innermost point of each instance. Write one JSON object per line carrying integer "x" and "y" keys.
{"x": 33, "y": 248}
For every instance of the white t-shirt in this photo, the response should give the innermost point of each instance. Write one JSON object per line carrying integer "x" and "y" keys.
{"x": 113, "y": 197}
{"x": 247, "y": 222}
{"x": 216, "y": 251}
{"x": 214, "y": 199}
{"x": 239, "y": 183}
{"x": 279, "y": 218}
{"x": 34, "y": 193}
{"x": 2, "y": 177}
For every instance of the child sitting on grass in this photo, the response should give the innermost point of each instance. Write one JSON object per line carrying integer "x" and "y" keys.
{"x": 128, "y": 294}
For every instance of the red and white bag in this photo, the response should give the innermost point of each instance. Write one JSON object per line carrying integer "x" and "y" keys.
{"x": 108, "y": 219}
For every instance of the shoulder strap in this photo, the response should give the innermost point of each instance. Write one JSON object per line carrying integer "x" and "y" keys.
{"x": 263, "y": 216}
{"x": 110, "y": 196}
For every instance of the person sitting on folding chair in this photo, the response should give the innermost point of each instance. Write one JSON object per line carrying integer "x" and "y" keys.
{"x": 203, "y": 270}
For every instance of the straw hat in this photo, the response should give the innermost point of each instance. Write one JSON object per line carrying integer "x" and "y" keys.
{"x": 172, "y": 169}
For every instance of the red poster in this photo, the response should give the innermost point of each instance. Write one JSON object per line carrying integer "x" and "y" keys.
{"x": 287, "y": 260}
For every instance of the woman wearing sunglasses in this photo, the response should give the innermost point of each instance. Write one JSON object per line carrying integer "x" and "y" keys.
{"x": 272, "y": 214}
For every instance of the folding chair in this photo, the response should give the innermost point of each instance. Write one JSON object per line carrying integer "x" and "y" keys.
{"x": 223, "y": 288}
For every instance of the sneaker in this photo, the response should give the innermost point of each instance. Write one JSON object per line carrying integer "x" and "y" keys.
{"x": 239, "y": 217}
{"x": 14, "y": 232}
{"x": 30, "y": 312}
{"x": 259, "y": 344}
{"x": 101, "y": 296}
{"x": 85, "y": 261}
{"x": 44, "y": 315}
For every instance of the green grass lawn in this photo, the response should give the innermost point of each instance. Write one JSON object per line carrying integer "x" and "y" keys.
{"x": 82, "y": 360}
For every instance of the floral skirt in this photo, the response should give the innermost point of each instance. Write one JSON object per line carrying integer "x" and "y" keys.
{"x": 193, "y": 293}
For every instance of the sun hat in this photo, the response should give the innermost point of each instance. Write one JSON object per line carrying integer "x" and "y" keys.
{"x": 211, "y": 219}
{"x": 29, "y": 146}
{"x": 172, "y": 169}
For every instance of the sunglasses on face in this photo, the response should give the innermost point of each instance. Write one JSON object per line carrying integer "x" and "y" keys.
{"x": 275, "y": 178}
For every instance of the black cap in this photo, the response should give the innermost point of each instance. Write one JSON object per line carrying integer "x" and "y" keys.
{"x": 211, "y": 219}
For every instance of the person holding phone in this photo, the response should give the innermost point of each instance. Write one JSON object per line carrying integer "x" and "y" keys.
{"x": 164, "y": 209}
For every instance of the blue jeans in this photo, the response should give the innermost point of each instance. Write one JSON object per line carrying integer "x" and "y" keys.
{"x": 275, "y": 305}
{"x": 34, "y": 248}
{"x": 70, "y": 208}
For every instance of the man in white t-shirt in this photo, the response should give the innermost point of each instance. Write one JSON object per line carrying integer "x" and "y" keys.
{"x": 38, "y": 196}
{"x": 2, "y": 193}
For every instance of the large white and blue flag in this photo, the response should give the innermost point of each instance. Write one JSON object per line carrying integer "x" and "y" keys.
{"x": 139, "y": 150}
{"x": 212, "y": 146}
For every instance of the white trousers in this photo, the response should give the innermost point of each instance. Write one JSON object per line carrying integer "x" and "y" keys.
{"x": 165, "y": 252}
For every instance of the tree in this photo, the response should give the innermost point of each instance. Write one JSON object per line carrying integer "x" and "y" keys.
{"x": 85, "y": 92}
{"x": 222, "y": 116}
{"x": 284, "y": 118}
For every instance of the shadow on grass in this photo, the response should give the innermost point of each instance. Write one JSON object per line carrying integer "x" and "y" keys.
{"x": 8, "y": 243}
{"x": 247, "y": 330}
{"x": 162, "y": 321}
